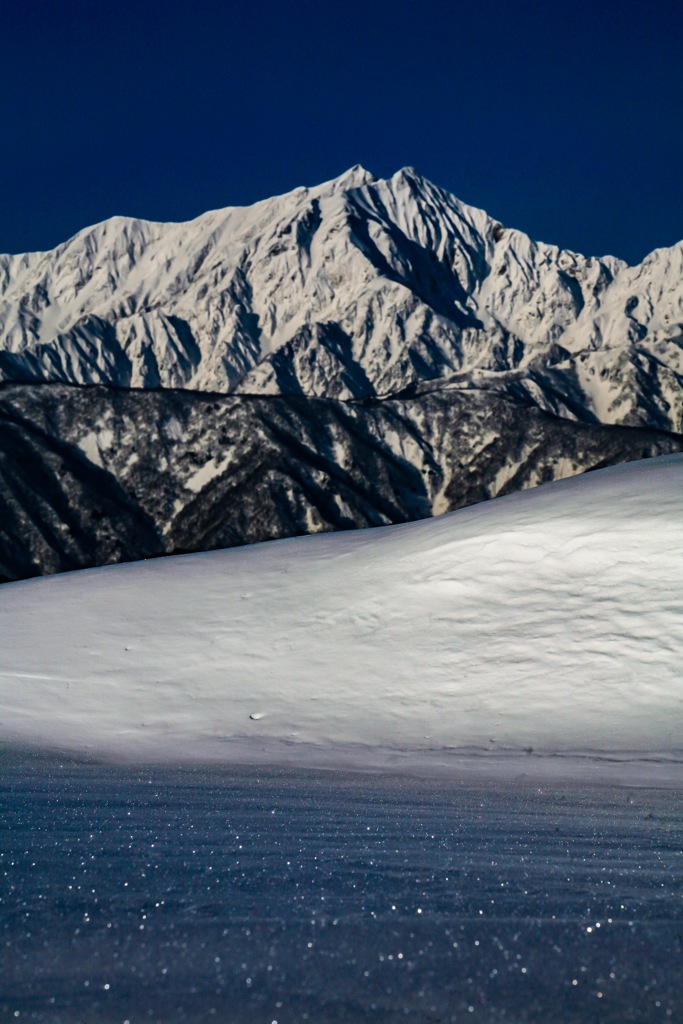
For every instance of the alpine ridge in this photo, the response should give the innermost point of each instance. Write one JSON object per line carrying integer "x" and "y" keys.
{"x": 356, "y": 288}
{"x": 364, "y": 315}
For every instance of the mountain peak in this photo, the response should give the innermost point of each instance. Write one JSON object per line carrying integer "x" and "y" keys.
{"x": 408, "y": 173}
{"x": 352, "y": 288}
{"x": 354, "y": 177}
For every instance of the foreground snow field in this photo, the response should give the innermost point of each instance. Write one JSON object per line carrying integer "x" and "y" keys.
{"x": 550, "y": 619}
{"x": 248, "y": 894}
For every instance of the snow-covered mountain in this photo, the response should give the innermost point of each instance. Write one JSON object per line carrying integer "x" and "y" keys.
{"x": 356, "y": 288}
{"x": 546, "y": 620}
{"x": 360, "y": 353}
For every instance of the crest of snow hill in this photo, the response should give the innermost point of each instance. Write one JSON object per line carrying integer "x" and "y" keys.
{"x": 363, "y": 352}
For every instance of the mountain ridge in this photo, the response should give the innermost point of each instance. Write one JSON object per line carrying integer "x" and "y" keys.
{"x": 355, "y": 287}
{"x": 363, "y": 352}
{"x": 93, "y": 475}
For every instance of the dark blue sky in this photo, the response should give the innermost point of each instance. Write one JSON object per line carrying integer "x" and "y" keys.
{"x": 562, "y": 119}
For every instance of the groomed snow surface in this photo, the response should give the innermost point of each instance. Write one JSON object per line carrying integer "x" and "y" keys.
{"x": 549, "y": 620}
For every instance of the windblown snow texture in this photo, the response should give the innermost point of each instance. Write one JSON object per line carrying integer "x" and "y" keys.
{"x": 361, "y": 352}
{"x": 546, "y": 620}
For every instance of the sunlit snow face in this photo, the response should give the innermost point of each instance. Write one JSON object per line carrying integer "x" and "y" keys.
{"x": 355, "y": 288}
{"x": 503, "y": 628}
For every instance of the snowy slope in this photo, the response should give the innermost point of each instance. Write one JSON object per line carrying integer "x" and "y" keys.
{"x": 549, "y": 619}
{"x": 358, "y": 287}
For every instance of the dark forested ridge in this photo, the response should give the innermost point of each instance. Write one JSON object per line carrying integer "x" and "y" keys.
{"x": 90, "y": 476}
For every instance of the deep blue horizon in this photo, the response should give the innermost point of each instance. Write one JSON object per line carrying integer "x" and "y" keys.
{"x": 561, "y": 120}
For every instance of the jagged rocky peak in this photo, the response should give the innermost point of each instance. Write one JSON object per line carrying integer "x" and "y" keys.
{"x": 355, "y": 177}
{"x": 357, "y": 287}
